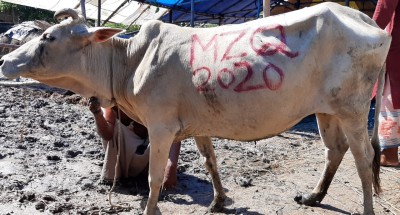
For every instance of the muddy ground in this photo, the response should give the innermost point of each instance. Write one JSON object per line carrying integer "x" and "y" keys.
{"x": 51, "y": 157}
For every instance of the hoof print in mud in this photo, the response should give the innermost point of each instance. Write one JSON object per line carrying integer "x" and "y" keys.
{"x": 243, "y": 182}
{"x": 53, "y": 158}
{"x": 40, "y": 206}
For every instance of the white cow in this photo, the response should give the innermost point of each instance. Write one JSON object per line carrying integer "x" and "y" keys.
{"x": 245, "y": 82}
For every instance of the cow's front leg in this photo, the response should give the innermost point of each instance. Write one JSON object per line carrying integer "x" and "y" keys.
{"x": 160, "y": 144}
{"x": 204, "y": 144}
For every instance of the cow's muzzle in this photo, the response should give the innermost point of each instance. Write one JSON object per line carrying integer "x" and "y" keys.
{"x": 9, "y": 70}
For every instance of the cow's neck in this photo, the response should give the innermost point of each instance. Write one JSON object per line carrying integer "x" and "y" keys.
{"x": 110, "y": 66}
{"x": 103, "y": 70}
{"x": 133, "y": 51}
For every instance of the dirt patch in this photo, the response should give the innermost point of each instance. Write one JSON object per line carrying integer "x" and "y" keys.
{"x": 51, "y": 157}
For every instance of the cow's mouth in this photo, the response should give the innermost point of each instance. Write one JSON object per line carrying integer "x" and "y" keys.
{"x": 5, "y": 71}
{"x": 11, "y": 71}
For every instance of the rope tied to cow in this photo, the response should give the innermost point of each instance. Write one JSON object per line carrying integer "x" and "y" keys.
{"x": 124, "y": 206}
{"x": 118, "y": 205}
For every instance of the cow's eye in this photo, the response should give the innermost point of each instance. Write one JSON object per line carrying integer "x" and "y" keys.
{"x": 48, "y": 37}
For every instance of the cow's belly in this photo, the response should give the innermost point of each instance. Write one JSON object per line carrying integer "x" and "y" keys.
{"x": 253, "y": 129}
{"x": 250, "y": 119}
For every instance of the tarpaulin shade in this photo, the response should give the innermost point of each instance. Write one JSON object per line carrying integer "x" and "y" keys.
{"x": 131, "y": 11}
{"x": 238, "y": 11}
{"x": 205, "y": 11}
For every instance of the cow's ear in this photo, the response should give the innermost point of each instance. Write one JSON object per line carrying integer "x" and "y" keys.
{"x": 97, "y": 34}
{"x": 101, "y": 34}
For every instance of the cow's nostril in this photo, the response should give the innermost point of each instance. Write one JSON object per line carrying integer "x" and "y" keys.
{"x": 1, "y": 62}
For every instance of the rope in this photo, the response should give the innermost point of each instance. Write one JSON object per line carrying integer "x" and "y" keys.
{"x": 116, "y": 168}
{"x": 127, "y": 205}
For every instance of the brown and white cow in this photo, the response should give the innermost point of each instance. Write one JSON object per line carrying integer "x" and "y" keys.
{"x": 245, "y": 82}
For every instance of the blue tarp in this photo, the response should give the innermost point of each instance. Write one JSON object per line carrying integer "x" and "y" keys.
{"x": 208, "y": 11}
{"x": 237, "y": 11}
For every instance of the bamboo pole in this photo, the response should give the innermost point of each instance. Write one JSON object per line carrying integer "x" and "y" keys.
{"x": 267, "y": 8}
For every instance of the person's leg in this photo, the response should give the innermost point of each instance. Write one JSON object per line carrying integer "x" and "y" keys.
{"x": 170, "y": 172}
{"x": 389, "y": 157}
{"x": 389, "y": 122}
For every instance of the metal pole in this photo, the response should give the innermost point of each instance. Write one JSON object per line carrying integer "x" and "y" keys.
{"x": 114, "y": 12}
{"x": 170, "y": 16}
{"x": 192, "y": 13}
{"x": 267, "y": 8}
{"x": 98, "y": 13}
{"x": 83, "y": 8}
{"x": 141, "y": 13}
{"x": 347, "y": 3}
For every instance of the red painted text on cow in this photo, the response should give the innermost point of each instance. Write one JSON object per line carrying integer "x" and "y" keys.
{"x": 238, "y": 60}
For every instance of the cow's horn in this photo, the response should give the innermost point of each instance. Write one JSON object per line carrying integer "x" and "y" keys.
{"x": 65, "y": 13}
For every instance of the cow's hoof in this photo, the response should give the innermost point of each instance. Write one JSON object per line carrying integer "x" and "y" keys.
{"x": 152, "y": 212}
{"x": 217, "y": 205}
{"x": 309, "y": 199}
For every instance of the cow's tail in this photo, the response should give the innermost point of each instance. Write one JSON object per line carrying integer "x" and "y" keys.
{"x": 375, "y": 139}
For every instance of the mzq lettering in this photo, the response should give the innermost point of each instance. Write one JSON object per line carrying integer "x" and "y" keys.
{"x": 240, "y": 60}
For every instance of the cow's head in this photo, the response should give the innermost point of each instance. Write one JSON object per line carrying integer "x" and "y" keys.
{"x": 58, "y": 56}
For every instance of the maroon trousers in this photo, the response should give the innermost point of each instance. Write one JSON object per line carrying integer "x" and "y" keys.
{"x": 387, "y": 16}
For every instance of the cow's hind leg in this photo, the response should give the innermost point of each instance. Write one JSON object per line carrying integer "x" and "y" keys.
{"x": 364, "y": 154}
{"x": 204, "y": 144}
{"x": 336, "y": 146}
